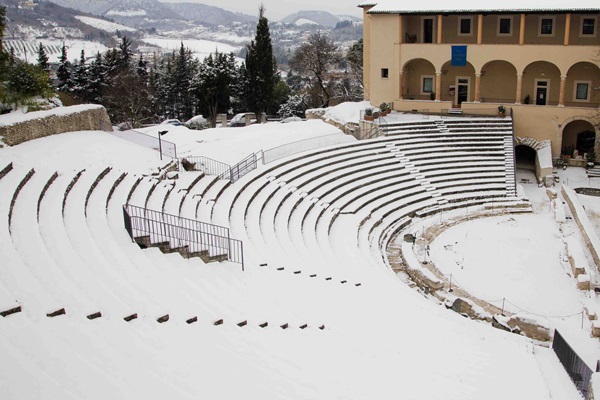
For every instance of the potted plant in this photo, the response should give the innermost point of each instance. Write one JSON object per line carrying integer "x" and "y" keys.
{"x": 385, "y": 109}
{"x": 369, "y": 114}
{"x": 501, "y": 111}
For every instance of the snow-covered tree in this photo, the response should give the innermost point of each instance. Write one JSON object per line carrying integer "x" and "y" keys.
{"x": 63, "y": 73}
{"x": 261, "y": 73}
{"x": 42, "y": 58}
{"x": 212, "y": 85}
{"x": 80, "y": 78}
{"x": 315, "y": 60}
{"x": 294, "y": 106}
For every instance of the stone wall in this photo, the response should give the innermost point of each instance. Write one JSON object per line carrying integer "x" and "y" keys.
{"x": 39, "y": 124}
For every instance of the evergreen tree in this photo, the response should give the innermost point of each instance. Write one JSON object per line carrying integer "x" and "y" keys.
{"x": 212, "y": 86}
{"x": 63, "y": 74}
{"x": 182, "y": 79}
{"x": 80, "y": 79}
{"x": 42, "y": 58}
{"x": 125, "y": 55}
{"x": 96, "y": 80}
{"x": 261, "y": 69}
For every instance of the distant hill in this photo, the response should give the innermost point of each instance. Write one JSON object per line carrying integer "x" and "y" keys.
{"x": 49, "y": 19}
{"x": 209, "y": 15}
{"x": 313, "y": 17}
{"x": 136, "y": 13}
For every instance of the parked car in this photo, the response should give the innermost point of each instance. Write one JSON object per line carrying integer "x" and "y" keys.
{"x": 172, "y": 121}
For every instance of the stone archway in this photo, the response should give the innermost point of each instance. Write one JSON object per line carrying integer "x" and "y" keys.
{"x": 542, "y": 157}
{"x": 541, "y": 83}
{"x": 418, "y": 80}
{"x": 498, "y": 82}
{"x": 458, "y": 83}
{"x": 579, "y": 138}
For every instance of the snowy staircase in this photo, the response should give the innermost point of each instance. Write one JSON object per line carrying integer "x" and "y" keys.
{"x": 417, "y": 174}
{"x": 594, "y": 172}
{"x": 510, "y": 166}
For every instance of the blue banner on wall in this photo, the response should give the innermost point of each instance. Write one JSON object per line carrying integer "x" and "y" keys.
{"x": 459, "y": 56}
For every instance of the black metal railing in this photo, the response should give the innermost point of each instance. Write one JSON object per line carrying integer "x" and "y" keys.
{"x": 205, "y": 164}
{"x": 240, "y": 169}
{"x": 188, "y": 236}
{"x": 577, "y": 369}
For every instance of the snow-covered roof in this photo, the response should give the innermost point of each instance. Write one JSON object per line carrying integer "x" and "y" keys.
{"x": 468, "y": 6}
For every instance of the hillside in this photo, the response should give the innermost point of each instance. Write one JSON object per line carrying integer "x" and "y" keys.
{"x": 209, "y": 15}
{"x": 313, "y": 17}
{"x": 47, "y": 19}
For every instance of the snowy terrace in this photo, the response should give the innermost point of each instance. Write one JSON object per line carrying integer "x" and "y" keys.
{"x": 316, "y": 314}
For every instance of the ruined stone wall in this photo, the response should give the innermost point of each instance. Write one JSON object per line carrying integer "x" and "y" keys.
{"x": 40, "y": 124}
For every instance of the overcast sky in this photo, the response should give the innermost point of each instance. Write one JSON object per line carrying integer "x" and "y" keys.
{"x": 277, "y": 9}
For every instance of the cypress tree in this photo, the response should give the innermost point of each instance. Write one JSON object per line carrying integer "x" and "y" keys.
{"x": 261, "y": 69}
{"x": 42, "y": 58}
{"x": 64, "y": 71}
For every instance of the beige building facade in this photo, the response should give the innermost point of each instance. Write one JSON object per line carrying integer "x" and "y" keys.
{"x": 542, "y": 64}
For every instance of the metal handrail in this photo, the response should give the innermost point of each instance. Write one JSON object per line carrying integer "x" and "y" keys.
{"x": 190, "y": 236}
{"x": 240, "y": 169}
{"x": 207, "y": 165}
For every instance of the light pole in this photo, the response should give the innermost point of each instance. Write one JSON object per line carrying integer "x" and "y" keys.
{"x": 160, "y": 133}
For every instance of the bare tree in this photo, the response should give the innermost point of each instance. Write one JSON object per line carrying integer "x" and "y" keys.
{"x": 315, "y": 60}
{"x": 129, "y": 100}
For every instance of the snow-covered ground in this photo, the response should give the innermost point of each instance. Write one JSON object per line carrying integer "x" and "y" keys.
{"x": 104, "y": 24}
{"x": 27, "y": 49}
{"x": 230, "y": 145}
{"x": 381, "y": 340}
{"x": 200, "y": 48}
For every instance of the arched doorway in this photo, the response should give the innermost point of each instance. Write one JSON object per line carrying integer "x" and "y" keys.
{"x": 525, "y": 157}
{"x": 498, "y": 82}
{"x": 579, "y": 139}
{"x": 533, "y": 158}
{"x": 541, "y": 83}
{"x": 418, "y": 80}
{"x": 458, "y": 83}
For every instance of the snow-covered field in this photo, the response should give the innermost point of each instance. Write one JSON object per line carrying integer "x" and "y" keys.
{"x": 104, "y": 25}
{"x": 200, "y": 48}
{"x": 380, "y": 340}
{"x": 27, "y": 49}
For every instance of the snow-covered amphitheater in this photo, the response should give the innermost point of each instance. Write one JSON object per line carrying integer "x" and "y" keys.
{"x": 309, "y": 308}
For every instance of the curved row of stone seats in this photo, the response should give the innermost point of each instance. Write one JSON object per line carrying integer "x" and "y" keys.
{"x": 272, "y": 211}
{"x": 90, "y": 272}
{"x": 269, "y": 180}
{"x": 17, "y": 280}
{"x": 225, "y": 287}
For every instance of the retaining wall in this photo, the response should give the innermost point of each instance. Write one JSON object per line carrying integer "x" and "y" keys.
{"x": 35, "y": 125}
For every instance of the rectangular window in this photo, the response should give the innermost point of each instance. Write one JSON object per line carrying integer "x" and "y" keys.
{"x": 588, "y": 26}
{"x": 504, "y": 26}
{"x": 427, "y": 84}
{"x": 546, "y": 26}
{"x": 384, "y": 72}
{"x": 582, "y": 91}
{"x": 464, "y": 26}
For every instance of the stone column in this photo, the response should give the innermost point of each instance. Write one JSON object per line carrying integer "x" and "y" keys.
{"x": 438, "y": 86}
{"x": 477, "y": 87}
{"x": 519, "y": 88}
{"x": 561, "y": 96}
{"x": 479, "y": 28}
{"x": 439, "y": 29}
